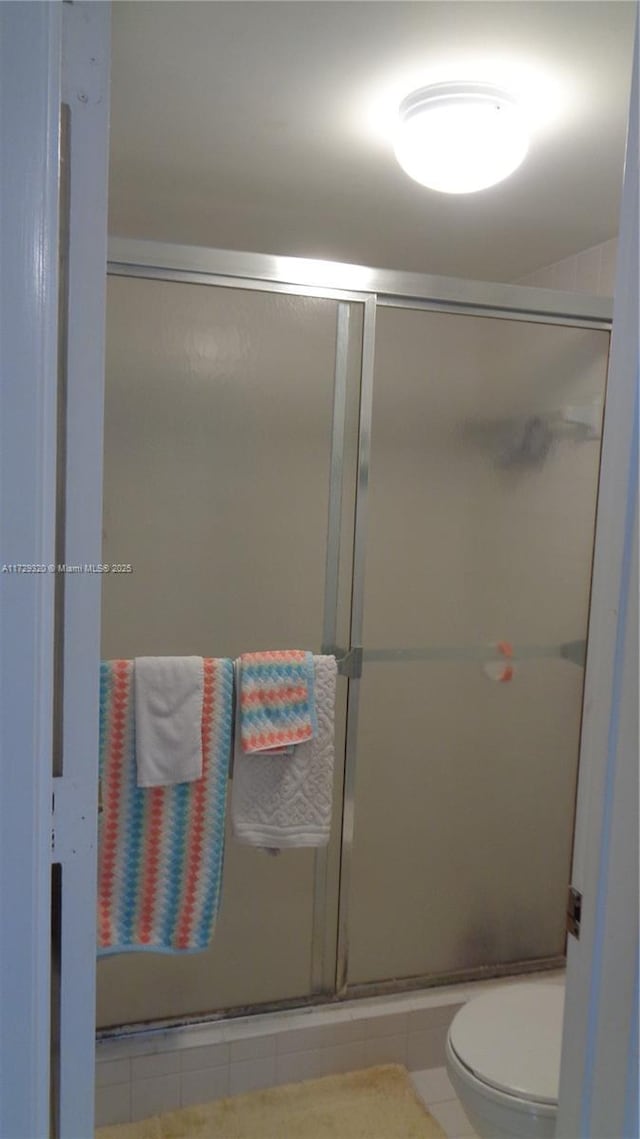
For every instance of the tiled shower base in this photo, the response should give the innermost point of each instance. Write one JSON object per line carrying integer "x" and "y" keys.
{"x": 156, "y": 1071}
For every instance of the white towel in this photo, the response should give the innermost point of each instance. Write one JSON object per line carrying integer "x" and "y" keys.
{"x": 168, "y": 711}
{"x": 285, "y": 801}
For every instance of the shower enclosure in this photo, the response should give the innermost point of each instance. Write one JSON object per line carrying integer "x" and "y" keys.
{"x": 401, "y": 470}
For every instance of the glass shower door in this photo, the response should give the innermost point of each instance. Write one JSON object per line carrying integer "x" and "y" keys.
{"x": 219, "y": 428}
{"x": 484, "y": 462}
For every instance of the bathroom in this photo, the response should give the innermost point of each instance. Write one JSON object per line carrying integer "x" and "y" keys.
{"x": 501, "y": 556}
{"x": 505, "y": 552}
{"x": 440, "y": 472}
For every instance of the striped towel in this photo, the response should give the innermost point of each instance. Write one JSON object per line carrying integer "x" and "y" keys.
{"x": 161, "y": 848}
{"x": 276, "y": 695}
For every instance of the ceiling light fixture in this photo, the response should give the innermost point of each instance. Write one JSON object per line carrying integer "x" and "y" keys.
{"x": 460, "y": 137}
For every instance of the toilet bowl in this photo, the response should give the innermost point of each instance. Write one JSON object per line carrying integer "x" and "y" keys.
{"x": 503, "y": 1059}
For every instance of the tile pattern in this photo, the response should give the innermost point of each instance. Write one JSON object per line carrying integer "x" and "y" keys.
{"x": 591, "y": 271}
{"x": 161, "y": 1070}
{"x": 437, "y": 1093}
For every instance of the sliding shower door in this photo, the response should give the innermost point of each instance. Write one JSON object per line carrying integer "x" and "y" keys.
{"x": 485, "y": 451}
{"x": 259, "y": 507}
{"x": 222, "y": 408}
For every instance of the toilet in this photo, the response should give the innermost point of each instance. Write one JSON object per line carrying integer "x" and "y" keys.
{"x": 503, "y": 1059}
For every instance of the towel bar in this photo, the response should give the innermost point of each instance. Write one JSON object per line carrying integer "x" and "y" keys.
{"x": 350, "y": 661}
{"x": 572, "y": 651}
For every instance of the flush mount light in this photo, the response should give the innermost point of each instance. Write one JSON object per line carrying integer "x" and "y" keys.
{"x": 460, "y": 137}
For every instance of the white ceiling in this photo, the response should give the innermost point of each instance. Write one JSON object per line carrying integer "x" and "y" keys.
{"x": 265, "y": 125}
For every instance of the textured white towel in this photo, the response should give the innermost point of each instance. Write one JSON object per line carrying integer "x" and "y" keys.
{"x": 168, "y": 711}
{"x": 282, "y": 801}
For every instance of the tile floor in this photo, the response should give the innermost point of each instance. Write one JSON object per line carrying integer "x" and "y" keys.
{"x": 434, "y": 1088}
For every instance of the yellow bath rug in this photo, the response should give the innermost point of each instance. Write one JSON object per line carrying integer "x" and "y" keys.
{"x": 377, "y": 1103}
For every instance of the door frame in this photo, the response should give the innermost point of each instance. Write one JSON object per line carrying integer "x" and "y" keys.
{"x": 30, "y": 48}
{"x": 599, "y": 1073}
{"x": 54, "y": 60}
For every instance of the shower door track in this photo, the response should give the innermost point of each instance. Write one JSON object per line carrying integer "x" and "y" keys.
{"x": 365, "y": 991}
{"x": 299, "y": 275}
{"x": 344, "y": 283}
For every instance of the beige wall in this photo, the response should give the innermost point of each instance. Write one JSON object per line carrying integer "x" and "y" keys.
{"x": 591, "y": 271}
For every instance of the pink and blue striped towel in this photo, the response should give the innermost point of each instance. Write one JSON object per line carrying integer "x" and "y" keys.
{"x": 276, "y": 700}
{"x": 161, "y": 848}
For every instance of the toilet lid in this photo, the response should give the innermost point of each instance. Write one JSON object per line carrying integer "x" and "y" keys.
{"x": 511, "y": 1038}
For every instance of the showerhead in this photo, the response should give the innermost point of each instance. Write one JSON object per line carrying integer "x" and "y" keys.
{"x": 524, "y": 442}
{"x": 529, "y": 445}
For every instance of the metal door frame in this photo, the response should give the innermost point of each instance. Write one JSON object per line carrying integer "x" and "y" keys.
{"x": 349, "y": 284}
